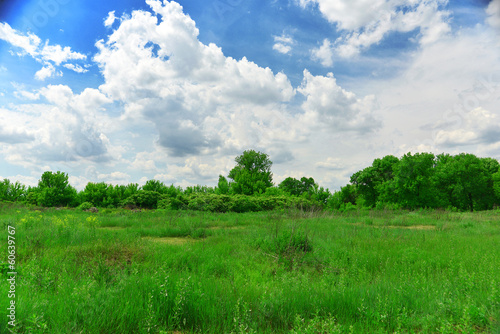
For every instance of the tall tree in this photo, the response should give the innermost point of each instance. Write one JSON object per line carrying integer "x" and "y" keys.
{"x": 54, "y": 190}
{"x": 252, "y": 174}
{"x": 298, "y": 187}
{"x": 465, "y": 180}
{"x": 370, "y": 182}
{"x": 414, "y": 180}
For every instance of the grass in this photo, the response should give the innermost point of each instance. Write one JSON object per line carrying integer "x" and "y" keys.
{"x": 119, "y": 271}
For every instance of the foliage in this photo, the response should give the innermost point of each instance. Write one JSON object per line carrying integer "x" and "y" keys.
{"x": 54, "y": 190}
{"x": 85, "y": 206}
{"x": 12, "y": 191}
{"x": 423, "y": 180}
{"x": 252, "y": 174}
{"x": 222, "y": 186}
{"x": 297, "y": 187}
{"x": 462, "y": 182}
{"x": 143, "y": 199}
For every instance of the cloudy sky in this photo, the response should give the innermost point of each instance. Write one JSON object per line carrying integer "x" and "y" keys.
{"x": 124, "y": 91}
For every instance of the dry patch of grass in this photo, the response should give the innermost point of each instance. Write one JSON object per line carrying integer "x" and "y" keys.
{"x": 406, "y": 227}
{"x": 170, "y": 240}
{"x": 414, "y": 227}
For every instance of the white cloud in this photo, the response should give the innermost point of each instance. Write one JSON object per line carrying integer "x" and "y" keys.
{"x": 163, "y": 73}
{"x": 493, "y": 12}
{"x": 28, "y": 44}
{"x": 428, "y": 105}
{"x": 47, "y": 54}
{"x": 331, "y": 164}
{"x": 58, "y": 54}
{"x": 23, "y": 94}
{"x": 76, "y": 68}
{"x": 367, "y": 22}
{"x": 324, "y": 54}
{"x": 114, "y": 176}
{"x": 110, "y": 19}
{"x": 47, "y": 71}
{"x": 480, "y": 126}
{"x": 145, "y": 162}
{"x": 65, "y": 131}
{"x": 328, "y": 103}
{"x": 283, "y": 44}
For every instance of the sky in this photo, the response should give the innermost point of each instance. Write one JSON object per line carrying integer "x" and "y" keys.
{"x": 132, "y": 90}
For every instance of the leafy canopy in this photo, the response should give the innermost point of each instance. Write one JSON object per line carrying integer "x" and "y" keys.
{"x": 252, "y": 174}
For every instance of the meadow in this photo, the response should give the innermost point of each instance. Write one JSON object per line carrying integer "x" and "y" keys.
{"x": 288, "y": 271}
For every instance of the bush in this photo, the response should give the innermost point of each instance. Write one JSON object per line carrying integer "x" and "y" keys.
{"x": 85, "y": 206}
{"x": 144, "y": 199}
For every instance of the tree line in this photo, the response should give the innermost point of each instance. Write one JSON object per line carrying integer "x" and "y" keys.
{"x": 423, "y": 180}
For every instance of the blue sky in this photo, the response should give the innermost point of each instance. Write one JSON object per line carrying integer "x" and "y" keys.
{"x": 126, "y": 91}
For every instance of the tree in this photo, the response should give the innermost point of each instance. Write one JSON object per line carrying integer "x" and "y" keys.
{"x": 252, "y": 174}
{"x": 371, "y": 181}
{"x": 54, "y": 190}
{"x": 155, "y": 185}
{"x": 414, "y": 181}
{"x": 95, "y": 193}
{"x": 222, "y": 185}
{"x": 466, "y": 181}
{"x": 298, "y": 187}
{"x": 12, "y": 191}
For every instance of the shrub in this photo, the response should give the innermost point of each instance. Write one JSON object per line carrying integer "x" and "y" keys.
{"x": 85, "y": 206}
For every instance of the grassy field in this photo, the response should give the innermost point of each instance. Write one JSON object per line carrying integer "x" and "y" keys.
{"x": 119, "y": 271}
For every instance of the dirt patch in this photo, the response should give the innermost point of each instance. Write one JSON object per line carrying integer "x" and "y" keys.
{"x": 410, "y": 227}
{"x": 170, "y": 241}
{"x": 416, "y": 227}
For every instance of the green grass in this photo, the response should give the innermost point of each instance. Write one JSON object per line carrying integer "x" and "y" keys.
{"x": 119, "y": 271}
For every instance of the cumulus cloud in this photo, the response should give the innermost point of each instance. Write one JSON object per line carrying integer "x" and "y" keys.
{"x": 160, "y": 69}
{"x": 108, "y": 22}
{"x": 324, "y": 54}
{"x": 45, "y": 72}
{"x": 47, "y": 54}
{"x": 365, "y": 23}
{"x": 64, "y": 128}
{"x": 283, "y": 44}
{"x": 493, "y": 11}
{"x": 480, "y": 127}
{"x": 14, "y": 136}
{"x": 328, "y": 103}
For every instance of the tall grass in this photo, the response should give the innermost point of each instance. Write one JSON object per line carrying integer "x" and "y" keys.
{"x": 119, "y": 271}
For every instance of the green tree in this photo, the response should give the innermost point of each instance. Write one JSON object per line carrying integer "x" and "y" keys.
{"x": 222, "y": 185}
{"x": 466, "y": 181}
{"x": 155, "y": 185}
{"x": 95, "y": 193}
{"x": 12, "y": 191}
{"x": 414, "y": 181}
{"x": 55, "y": 190}
{"x": 298, "y": 187}
{"x": 252, "y": 174}
{"x": 371, "y": 181}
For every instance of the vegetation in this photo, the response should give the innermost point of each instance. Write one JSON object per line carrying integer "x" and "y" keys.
{"x": 463, "y": 182}
{"x": 406, "y": 247}
{"x": 163, "y": 271}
